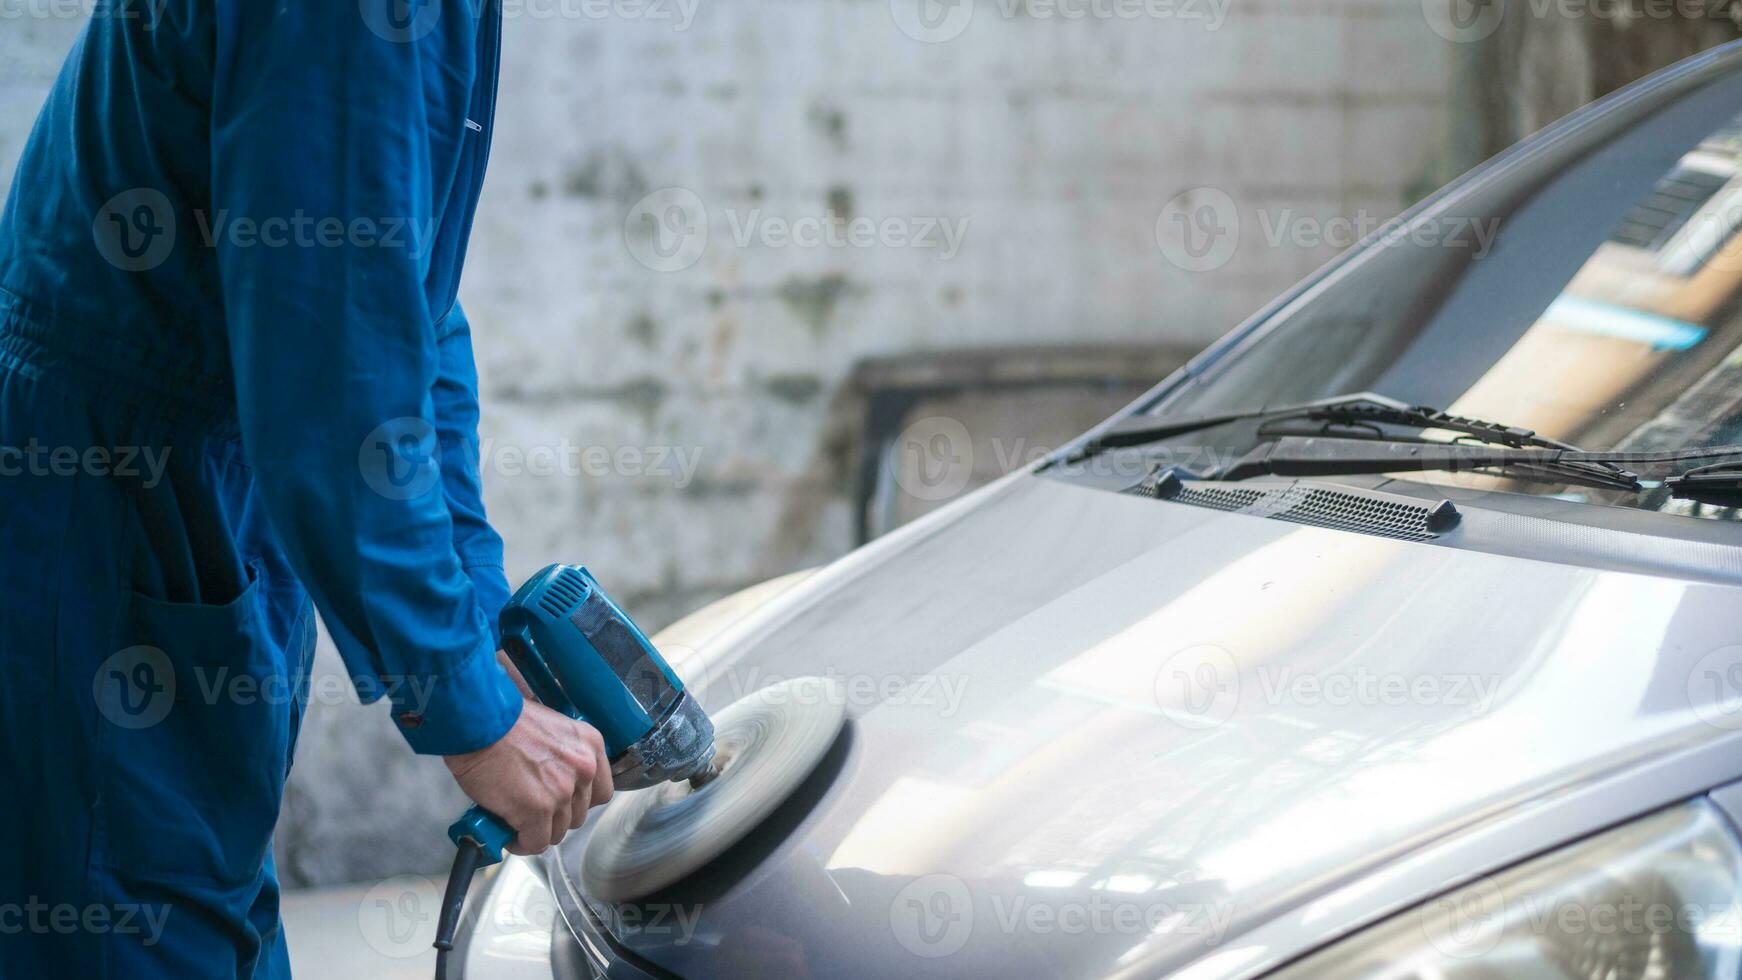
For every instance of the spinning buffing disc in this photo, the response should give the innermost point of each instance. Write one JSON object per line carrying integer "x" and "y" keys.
{"x": 765, "y": 746}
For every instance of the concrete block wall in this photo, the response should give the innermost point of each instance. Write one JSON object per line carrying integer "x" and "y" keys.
{"x": 956, "y": 173}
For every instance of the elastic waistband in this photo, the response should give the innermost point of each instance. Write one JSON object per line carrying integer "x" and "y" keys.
{"x": 115, "y": 366}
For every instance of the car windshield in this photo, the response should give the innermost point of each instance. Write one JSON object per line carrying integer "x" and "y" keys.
{"x": 1590, "y": 288}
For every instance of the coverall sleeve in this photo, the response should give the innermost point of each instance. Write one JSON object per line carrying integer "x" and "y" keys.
{"x": 341, "y": 383}
{"x": 456, "y": 410}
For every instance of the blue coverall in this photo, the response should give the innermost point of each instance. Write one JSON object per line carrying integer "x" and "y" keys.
{"x": 233, "y": 376}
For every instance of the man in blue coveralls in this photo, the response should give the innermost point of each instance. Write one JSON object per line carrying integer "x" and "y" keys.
{"x": 233, "y": 376}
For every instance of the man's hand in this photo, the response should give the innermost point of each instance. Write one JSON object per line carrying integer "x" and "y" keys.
{"x": 541, "y": 777}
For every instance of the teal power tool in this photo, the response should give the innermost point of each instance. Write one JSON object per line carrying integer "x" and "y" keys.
{"x": 582, "y": 655}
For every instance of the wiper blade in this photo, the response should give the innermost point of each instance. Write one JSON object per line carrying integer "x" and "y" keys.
{"x": 1318, "y": 456}
{"x": 1719, "y": 484}
{"x": 1363, "y": 409}
{"x": 1351, "y": 439}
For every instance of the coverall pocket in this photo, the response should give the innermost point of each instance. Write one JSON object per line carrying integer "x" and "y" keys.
{"x": 199, "y": 708}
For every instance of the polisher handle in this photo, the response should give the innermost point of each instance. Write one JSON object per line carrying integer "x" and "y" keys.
{"x": 527, "y": 658}
{"x": 486, "y": 829}
{"x": 490, "y": 832}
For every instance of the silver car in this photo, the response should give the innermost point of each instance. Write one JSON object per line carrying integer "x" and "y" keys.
{"x": 1399, "y": 634}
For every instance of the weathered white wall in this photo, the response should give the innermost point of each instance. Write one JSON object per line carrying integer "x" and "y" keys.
{"x": 1055, "y": 141}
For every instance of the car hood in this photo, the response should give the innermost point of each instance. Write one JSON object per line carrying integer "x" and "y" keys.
{"x": 1095, "y": 734}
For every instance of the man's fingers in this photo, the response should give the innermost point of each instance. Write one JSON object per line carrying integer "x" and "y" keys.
{"x": 542, "y": 776}
{"x": 559, "y": 821}
{"x": 602, "y": 789}
{"x": 589, "y": 762}
{"x": 578, "y": 806}
{"x": 531, "y": 837}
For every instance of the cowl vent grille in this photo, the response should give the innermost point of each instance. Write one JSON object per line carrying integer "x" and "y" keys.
{"x": 1361, "y": 511}
{"x": 1218, "y": 498}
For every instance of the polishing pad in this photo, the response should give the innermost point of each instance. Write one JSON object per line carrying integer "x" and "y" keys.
{"x": 765, "y": 746}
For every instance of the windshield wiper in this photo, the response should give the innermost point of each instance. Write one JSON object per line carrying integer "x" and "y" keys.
{"x": 1719, "y": 484}
{"x": 1323, "y": 456}
{"x": 1364, "y": 410}
{"x": 1351, "y": 438}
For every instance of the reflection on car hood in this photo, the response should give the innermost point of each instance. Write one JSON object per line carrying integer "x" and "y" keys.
{"x": 1094, "y": 734}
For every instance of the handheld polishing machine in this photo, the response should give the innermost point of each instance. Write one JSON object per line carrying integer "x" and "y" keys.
{"x": 582, "y": 655}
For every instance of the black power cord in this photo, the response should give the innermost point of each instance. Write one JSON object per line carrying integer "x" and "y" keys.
{"x": 453, "y": 900}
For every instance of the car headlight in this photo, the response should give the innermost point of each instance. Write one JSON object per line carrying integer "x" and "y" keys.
{"x": 1660, "y": 897}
